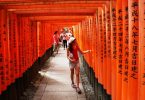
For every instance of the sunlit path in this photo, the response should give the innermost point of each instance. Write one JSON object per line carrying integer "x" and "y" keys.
{"x": 56, "y": 84}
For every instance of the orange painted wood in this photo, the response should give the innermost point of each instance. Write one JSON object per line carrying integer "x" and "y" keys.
{"x": 1, "y": 54}
{"x": 57, "y": 5}
{"x": 13, "y": 43}
{"x": 34, "y": 40}
{"x": 38, "y": 38}
{"x": 95, "y": 44}
{"x": 100, "y": 68}
{"x": 86, "y": 39}
{"x": 119, "y": 49}
{"x": 125, "y": 60}
{"x": 21, "y": 46}
{"x": 104, "y": 73}
{"x": 141, "y": 70}
{"x": 113, "y": 48}
{"x": 133, "y": 49}
{"x": 55, "y": 11}
{"x": 27, "y": 43}
{"x": 17, "y": 47}
{"x": 108, "y": 48}
{"x": 48, "y": 36}
{"x": 5, "y": 60}
{"x": 89, "y": 39}
{"x": 116, "y": 40}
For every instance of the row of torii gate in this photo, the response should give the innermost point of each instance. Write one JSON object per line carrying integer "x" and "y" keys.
{"x": 113, "y": 29}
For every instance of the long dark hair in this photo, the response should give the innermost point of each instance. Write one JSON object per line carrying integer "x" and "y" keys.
{"x": 70, "y": 46}
{"x": 55, "y": 32}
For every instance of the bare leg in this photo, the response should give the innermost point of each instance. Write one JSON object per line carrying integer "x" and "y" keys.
{"x": 72, "y": 75}
{"x": 77, "y": 71}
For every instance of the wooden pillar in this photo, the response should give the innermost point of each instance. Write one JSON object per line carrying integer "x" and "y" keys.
{"x": 133, "y": 49}
{"x": 113, "y": 47}
{"x": 4, "y": 51}
{"x": 119, "y": 49}
{"x": 125, "y": 60}
{"x": 141, "y": 75}
{"x": 100, "y": 34}
{"x": 108, "y": 47}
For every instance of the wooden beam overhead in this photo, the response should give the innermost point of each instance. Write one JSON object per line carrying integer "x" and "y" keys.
{"x": 74, "y": 8}
{"x": 62, "y": 11}
{"x": 29, "y": 2}
{"x": 56, "y": 14}
{"x": 33, "y": 6}
{"x": 56, "y": 11}
{"x": 59, "y": 20}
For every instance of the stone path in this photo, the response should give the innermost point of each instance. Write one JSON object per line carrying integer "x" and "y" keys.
{"x": 56, "y": 84}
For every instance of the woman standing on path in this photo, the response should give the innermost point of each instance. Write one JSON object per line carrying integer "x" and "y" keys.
{"x": 72, "y": 55}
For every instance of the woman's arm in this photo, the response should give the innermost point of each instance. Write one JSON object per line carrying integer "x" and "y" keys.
{"x": 73, "y": 60}
{"x": 83, "y": 52}
{"x": 68, "y": 54}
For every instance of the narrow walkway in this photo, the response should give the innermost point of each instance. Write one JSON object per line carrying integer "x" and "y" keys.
{"x": 56, "y": 84}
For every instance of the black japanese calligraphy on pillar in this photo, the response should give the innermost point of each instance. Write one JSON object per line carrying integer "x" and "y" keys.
{"x": 108, "y": 28}
{"x": 143, "y": 32}
{"x": 94, "y": 31}
{"x": 101, "y": 35}
{"x": 21, "y": 45}
{"x": 6, "y": 71}
{"x": 114, "y": 39}
{"x": 90, "y": 37}
{"x": 16, "y": 46}
{"x": 113, "y": 48}
{"x": 96, "y": 43}
{"x": 104, "y": 35}
{"x": 34, "y": 39}
{"x": 142, "y": 47}
{"x": 126, "y": 45}
{"x": 11, "y": 44}
{"x": 100, "y": 44}
{"x": 1, "y": 54}
{"x": 134, "y": 41}
{"x": 20, "y": 39}
{"x": 119, "y": 40}
{"x": 104, "y": 47}
{"x": 108, "y": 47}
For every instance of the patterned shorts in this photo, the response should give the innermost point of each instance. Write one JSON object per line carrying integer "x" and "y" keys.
{"x": 73, "y": 64}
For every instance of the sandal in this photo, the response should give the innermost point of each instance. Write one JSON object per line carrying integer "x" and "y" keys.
{"x": 78, "y": 90}
{"x": 73, "y": 85}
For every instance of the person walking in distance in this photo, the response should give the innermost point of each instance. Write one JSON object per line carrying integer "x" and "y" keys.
{"x": 72, "y": 55}
{"x": 56, "y": 41}
{"x": 64, "y": 40}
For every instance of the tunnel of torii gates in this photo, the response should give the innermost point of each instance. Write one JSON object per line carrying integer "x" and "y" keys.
{"x": 113, "y": 29}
